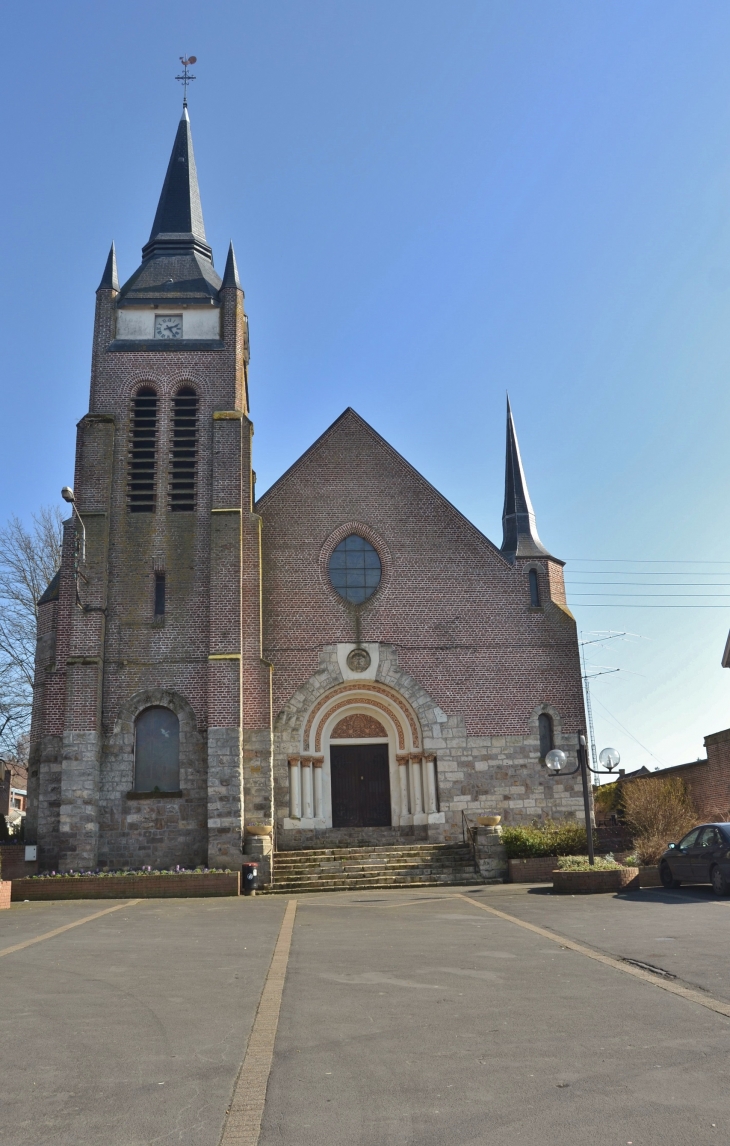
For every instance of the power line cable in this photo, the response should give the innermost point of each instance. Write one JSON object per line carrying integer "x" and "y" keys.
{"x": 649, "y": 595}
{"x": 616, "y": 720}
{"x": 658, "y": 584}
{"x": 641, "y": 561}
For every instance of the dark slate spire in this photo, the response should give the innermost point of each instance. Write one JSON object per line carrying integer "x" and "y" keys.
{"x": 518, "y": 517}
{"x": 177, "y": 263}
{"x": 109, "y": 280}
{"x": 230, "y": 274}
{"x": 179, "y": 211}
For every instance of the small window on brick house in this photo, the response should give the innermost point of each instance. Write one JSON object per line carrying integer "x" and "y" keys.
{"x": 157, "y": 751}
{"x": 545, "y": 732}
{"x": 159, "y": 594}
{"x": 142, "y": 452}
{"x": 183, "y": 451}
{"x": 534, "y": 589}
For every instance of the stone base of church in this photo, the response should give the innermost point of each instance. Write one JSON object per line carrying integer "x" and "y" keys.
{"x": 295, "y": 839}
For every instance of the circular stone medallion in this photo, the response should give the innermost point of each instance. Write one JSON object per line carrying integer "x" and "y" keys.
{"x": 358, "y": 660}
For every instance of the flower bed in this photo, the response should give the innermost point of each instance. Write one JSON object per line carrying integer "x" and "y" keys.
{"x": 597, "y": 880}
{"x": 128, "y": 885}
{"x": 5, "y": 891}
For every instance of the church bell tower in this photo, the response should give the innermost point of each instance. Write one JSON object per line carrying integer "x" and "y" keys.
{"x": 152, "y": 722}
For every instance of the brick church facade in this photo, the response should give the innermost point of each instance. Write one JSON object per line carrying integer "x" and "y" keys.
{"x": 347, "y": 659}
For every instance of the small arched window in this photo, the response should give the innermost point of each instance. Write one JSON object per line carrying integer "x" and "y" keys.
{"x": 157, "y": 751}
{"x": 142, "y": 452}
{"x": 545, "y": 732}
{"x": 183, "y": 450}
{"x": 534, "y": 589}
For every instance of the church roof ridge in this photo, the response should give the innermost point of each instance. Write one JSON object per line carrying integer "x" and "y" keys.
{"x": 350, "y": 413}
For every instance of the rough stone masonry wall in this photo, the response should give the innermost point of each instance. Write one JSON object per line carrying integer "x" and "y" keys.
{"x": 154, "y": 831}
{"x": 489, "y": 775}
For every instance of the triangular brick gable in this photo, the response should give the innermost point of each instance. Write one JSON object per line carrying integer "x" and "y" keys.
{"x": 350, "y": 424}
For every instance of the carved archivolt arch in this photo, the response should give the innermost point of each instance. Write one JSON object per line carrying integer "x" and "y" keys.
{"x": 370, "y": 694}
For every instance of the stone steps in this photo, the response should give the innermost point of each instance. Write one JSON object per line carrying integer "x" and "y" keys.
{"x": 390, "y": 849}
{"x": 367, "y": 868}
{"x": 342, "y": 867}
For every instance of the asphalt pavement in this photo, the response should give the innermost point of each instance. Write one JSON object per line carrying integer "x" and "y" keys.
{"x": 406, "y": 1018}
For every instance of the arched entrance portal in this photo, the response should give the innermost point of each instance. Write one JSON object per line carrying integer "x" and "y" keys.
{"x": 362, "y": 763}
{"x": 359, "y": 772}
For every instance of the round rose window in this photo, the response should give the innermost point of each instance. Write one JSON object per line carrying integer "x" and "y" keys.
{"x": 354, "y": 569}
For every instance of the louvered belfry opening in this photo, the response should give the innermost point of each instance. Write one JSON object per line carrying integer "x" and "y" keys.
{"x": 183, "y": 454}
{"x": 142, "y": 452}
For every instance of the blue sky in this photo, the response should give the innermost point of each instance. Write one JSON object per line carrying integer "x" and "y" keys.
{"x": 431, "y": 203}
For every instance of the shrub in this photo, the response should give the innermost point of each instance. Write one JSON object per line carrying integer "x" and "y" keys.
{"x": 547, "y": 839}
{"x": 581, "y": 863}
{"x": 659, "y": 811}
{"x": 608, "y": 797}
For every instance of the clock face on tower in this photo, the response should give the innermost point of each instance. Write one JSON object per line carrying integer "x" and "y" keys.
{"x": 168, "y": 326}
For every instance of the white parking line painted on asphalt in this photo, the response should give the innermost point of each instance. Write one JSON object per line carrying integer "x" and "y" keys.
{"x": 243, "y": 1123}
{"x": 66, "y": 927}
{"x": 618, "y": 965}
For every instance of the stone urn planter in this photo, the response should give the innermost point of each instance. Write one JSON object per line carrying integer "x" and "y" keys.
{"x": 5, "y": 890}
{"x": 259, "y": 829}
{"x": 488, "y": 821}
{"x": 588, "y": 882}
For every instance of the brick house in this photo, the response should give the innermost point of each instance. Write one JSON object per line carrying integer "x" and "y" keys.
{"x": 347, "y": 657}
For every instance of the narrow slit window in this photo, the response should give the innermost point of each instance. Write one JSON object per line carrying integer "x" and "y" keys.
{"x": 142, "y": 452}
{"x": 545, "y": 732}
{"x": 534, "y": 589}
{"x": 183, "y": 454}
{"x": 159, "y": 594}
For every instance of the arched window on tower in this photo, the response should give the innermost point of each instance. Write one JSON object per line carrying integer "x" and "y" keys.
{"x": 545, "y": 732}
{"x": 157, "y": 751}
{"x": 142, "y": 469}
{"x": 183, "y": 450}
{"x": 534, "y": 589}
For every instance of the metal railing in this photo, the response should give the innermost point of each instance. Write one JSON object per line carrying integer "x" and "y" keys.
{"x": 469, "y": 836}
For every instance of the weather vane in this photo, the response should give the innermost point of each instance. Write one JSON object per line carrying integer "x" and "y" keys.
{"x": 186, "y": 78}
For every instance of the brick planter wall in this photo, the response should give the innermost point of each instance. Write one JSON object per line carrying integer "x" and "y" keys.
{"x": 536, "y": 869}
{"x": 12, "y": 857}
{"x": 129, "y": 886}
{"x": 586, "y": 882}
{"x": 649, "y": 877}
{"x": 5, "y": 887}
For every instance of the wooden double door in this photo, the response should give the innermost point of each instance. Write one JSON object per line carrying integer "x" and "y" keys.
{"x": 360, "y": 786}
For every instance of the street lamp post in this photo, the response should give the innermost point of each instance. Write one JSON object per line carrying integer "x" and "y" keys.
{"x": 68, "y": 495}
{"x": 556, "y": 760}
